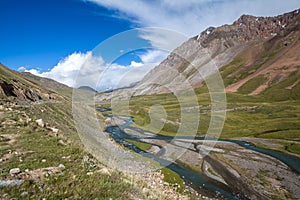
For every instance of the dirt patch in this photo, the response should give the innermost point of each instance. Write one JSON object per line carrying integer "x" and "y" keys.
{"x": 11, "y": 138}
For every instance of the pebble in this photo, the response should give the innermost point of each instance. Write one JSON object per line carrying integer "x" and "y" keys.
{"x": 23, "y": 194}
{"x": 89, "y": 173}
{"x": 105, "y": 171}
{"x": 40, "y": 122}
{"x": 14, "y": 171}
{"x": 62, "y": 142}
{"x": 61, "y": 166}
{"x": 146, "y": 190}
{"x": 54, "y": 130}
{"x": 28, "y": 120}
{"x": 44, "y": 160}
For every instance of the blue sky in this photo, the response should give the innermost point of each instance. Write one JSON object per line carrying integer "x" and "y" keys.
{"x": 38, "y": 33}
{"x": 53, "y": 38}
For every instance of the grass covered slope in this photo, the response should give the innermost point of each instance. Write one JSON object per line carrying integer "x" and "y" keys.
{"x": 42, "y": 156}
{"x": 15, "y": 89}
{"x": 48, "y": 84}
{"x": 52, "y": 165}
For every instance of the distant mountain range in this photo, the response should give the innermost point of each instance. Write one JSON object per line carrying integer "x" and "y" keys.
{"x": 255, "y": 55}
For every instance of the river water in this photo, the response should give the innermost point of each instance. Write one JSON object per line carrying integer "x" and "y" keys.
{"x": 195, "y": 179}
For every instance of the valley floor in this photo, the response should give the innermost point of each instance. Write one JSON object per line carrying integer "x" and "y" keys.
{"x": 248, "y": 173}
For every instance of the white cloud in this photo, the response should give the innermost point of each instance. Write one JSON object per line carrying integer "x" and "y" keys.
{"x": 163, "y": 38}
{"x": 136, "y": 64}
{"x": 33, "y": 71}
{"x": 67, "y": 69}
{"x": 190, "y": 17}
{"x": 85, "y": 69}
{"x": 154, "y": 56}
{"x": 116, "y": 76}
{"x": 21, "y": 69}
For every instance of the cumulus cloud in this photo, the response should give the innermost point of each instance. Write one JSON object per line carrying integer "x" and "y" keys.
{"x": 190, "y": 17}
{"x": 86, "y": 69}
{"x": 67, "y": 69}
{"x": 21, "y": 69}
{"x": 154, "y": 56}
{"x": 116, "y": 76}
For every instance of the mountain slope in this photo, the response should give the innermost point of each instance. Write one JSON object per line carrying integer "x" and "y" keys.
{"x": 42, "y": 156}
{"x": 272, "y": 66}
{"x": 249, "y": 47}
{"x": 16, "y": 89}
{"x": 48, "y": 84}
{"x": 222, "y": 44}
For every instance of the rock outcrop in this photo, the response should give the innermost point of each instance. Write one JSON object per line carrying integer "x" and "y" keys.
{"x": 248, "y": 28}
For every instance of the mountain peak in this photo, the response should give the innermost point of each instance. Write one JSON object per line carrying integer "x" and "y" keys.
{"x": 248, "y": 28}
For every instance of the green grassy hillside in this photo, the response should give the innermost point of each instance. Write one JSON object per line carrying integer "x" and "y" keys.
{"x": 42, "y": 156}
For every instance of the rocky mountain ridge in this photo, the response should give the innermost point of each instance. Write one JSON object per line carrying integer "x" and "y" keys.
{"x": 248, "y": 28}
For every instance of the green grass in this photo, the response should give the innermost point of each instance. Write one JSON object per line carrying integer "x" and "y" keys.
{"x": 270, "y": 121}
{"x": 174, "y": 179}
{"x": 265, "y": 119}
{"x": 293, "y": 148}
{"x": 278, "y": 91}
{"x": 252, "y": 84}
{"x": 232, "y": 67}
{"x": 141, "y": 145}
{"x": 211, "y": 171}
{"x": 37, "y": 144}
{"x": 194, "y": 168}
